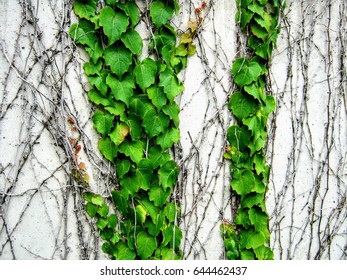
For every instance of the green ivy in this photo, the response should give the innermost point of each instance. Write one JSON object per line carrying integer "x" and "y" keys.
{"x": 248, "y": 237}
{"x": 137, "y": 118}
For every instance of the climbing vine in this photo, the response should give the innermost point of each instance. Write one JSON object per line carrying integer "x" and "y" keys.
{"x": 251, "y": 105}
{"x": 137, "y": 118}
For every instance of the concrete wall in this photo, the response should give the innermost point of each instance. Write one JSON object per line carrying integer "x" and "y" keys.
{"x": 42, "y": 85}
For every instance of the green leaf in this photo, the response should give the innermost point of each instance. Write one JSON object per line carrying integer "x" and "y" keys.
{"x": 133, "y": 41}
{"x": 270, "y": 105}
{"x": 247, "y": 255}
{"x": 172, "y": 86}
{"x": 132, "y": 12}
{"x": 134, "y": 123}
{"x": 141, "y": 213}
{"x": 146, "y": 245}
{"x": 95, "y": 97}
{"x": 172, "y": 110}
{"x": 114, "y": 24}
{"x": 83, "y": 33}
{"x": 99, "y": 81}
{"x": 246, "y": 17}
{"x": 245, "y": 72}
{"x": 154, "y": 226}
{"x": 130, "y": 184}
{"x": 124, "y": 253}
{"x": 264, "y": 21}
{"x": 256, "y": 124}
{"x": 169, "y": 137}
{"x": 157, "y": 157}
{"x": 121, "y": 89}
{"x": 242, "y": 105}
{"x": 259, "y": 31}
{"x": 172, "y": 235}
{"x": 157, "y": 95}
{"x": 255, "y": 7}
{"x": 171, "y": 211}
{"x": 95, "y": 52}
{"x": 107, "y": 148}
{"x": 244, "y": 184}
{"x": 119, "y": 133}
{"x": 242, "y": 218}
{"x": 112, "y": 221}
{"x": 122, "y": 167}
{"x": 117, "y": 108}
{"x": 119, "y": 59}
{"x": 168, "y": 174}
{"x": 154, "y": 123}
{"x": 103, "y": 122}
{"x": 151, "y": 209}
{"x": 133, "y": 149}
{"x": 103, "y": 211}
{"x": 85, "y": 9}
{"x": 260, "y": 221}
{"x": 144, "y": 172}
{"x": 264, "y": 253}
{"x": 238, "y": 137}
{"x": 158, "y": 195}
{"x": 256, "y": 91}
{"x": 91, "y": 209}
{"x": 97, "y": 200}
{"x": 160, "y": 13}
{"x": 145, "y": 73}
{"x": 252, "y": 199}
{"x": 121, "y": 200}
{"x": 101, "y": 223}
{"x": 141, "y": 105}
{"x": 251, "y": 239}
{"x": 92, "y": 69}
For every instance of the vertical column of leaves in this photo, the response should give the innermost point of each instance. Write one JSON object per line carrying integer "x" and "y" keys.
{"x": 251, "y": 105}
{"x": 137, "y": 119}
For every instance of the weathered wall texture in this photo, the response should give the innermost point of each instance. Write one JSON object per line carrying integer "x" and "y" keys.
{"x": 42, "y": 84}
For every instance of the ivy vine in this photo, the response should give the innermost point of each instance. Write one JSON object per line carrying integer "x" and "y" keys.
{"x": 251, "y": 105}
{"x": 137, "y": 118}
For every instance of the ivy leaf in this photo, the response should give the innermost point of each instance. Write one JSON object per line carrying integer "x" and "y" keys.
{"x": 134, "y": 123}
{"x": 168, "y": 174}
{"x": 238, "y": 137}
{"x": 256, "y": 124}
{"x": 270, "y": 105}
{"x": 144, "y": 172}
{"x": 264, "y": 253}
{"x": 247, "y": 255}
{"x": 119, "y": 59}
{"x": 99, "y": 81}
{"x": 133, "y": 149}
{"x": 246, "y": 17}
{"x": 95, "y": 52}
{"x": 255, "y": 7}
{"x": 103, "y": 211}
{"x": 124, "y": 253}
{"x": 168, "y": 137}
{"x": 103, "y": 122}
{"x": 119, "y": 133}
{"x": 259, "y": 31}
{"x": 95, "y": 97}
{"x": 245, "y": 72}
{"x": 151, "y": 209}
{"x": 170, "y": 82}
{"x": 121, "y": 200}
{"x": 130, "y": 184}
{"x": 158, "y": 195}
{"x": 260, "y": 221}
{"x": 122, "y": 167}
{"x": 160, "y": 13}
{"x": 154, "y": 123}
{"x": 91, "y": 209}
{"x": 133, "y": 41}
{"x": 132, "y": 12}
{"x": 91, "y": 68}
{"x": 111, "y": 2}
{"x": 170, "y": 211}
{"x": 256, "y": 91}
{"x": 83, "y": 33}
{"x": 85, "y": 9}
{"x": 172, "y": 110}
{"x": 107, "y": 148}
{"x": 155, "y": 225}
{"x": 242, "y": 105}
{"x": 145, "y": 73}
{"x": 157, "y": 157}
{"x": 117, "y": 108}
{"x": 146, "y": 245}
{"x": 141, "y": 213}
{"x": 252, "y": 199}
{"x": 141, "y": 105}
{"x": 242, "y": 218}
{"x": 121, "y": 89}
{"x": 114, "y": 24}
{"x": 244, "y": 183}
{"x": 112, "y": 221}
{"x": 173, "y": 235}
{"x": 157, "y": 95}
{"x": 251, "y": 239}
{"x": 264, "y": 21}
